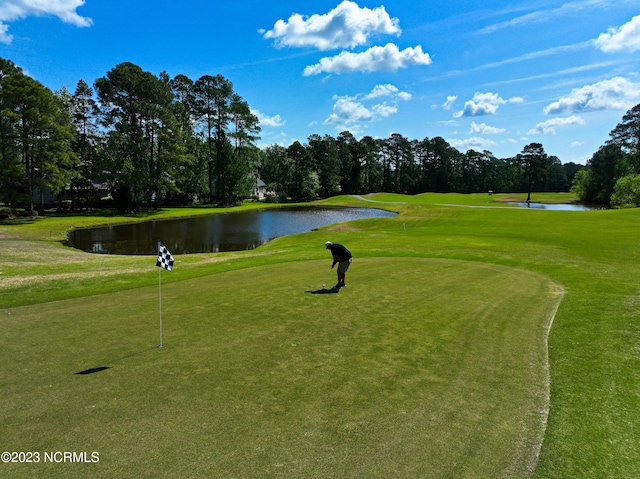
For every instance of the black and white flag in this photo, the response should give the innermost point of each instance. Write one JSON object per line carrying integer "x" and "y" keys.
{"x": 165, "y": 260}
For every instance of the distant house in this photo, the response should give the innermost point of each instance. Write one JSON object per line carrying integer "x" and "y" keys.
{"x": 45, "y": 196}
{"x": 260, "y": 190}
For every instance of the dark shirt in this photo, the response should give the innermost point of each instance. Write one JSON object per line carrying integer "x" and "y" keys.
{"x": 340, "y": 252}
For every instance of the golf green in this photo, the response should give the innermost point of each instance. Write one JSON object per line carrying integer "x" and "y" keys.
{"x": 403, "y": 373}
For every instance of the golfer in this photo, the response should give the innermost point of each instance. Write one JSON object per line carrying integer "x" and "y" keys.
{"x": 342, "y": 256}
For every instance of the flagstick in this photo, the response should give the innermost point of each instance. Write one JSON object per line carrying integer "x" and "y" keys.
{"x": 160, "y": 300}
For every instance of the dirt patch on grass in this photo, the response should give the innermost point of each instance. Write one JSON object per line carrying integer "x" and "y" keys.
{"x": 17, "y": 281}
{"x": 7, "y": 236}
{"x": 511, "y": 199}
{"x": 342, "y": 227}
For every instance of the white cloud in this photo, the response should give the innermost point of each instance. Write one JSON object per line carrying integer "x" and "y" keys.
{"x": 485, "y": 129}
{"x": 348, "y": 110}
{"x": 65, "y": 10}
{"x": 346, "y": 26}
{"x": 384, "y": 110}
{"x": 447, "y": 105}
{"x": 627, "y": 37}
{"x": 270, "y": 121}
{"x": 615, "y": 94}
{"x": 4, "y": 36}
{"x": 484, "y": 104}
{"x": 351, "y": 111}
{"x": 381, "y": 90}
{"x": 474, "y": 143}
{"x": 549, "y": 127}
{"x": 387, "y": 58}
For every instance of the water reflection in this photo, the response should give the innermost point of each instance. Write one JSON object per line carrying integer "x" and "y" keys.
{"x": 557, "y": 206}
{"x": 221, "y": 232}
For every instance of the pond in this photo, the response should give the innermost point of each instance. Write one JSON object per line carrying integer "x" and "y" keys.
{"x": 214, "y": 233}
{"x": 557, "y": 206}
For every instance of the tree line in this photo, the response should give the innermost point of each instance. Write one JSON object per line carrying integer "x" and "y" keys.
{"x": 146, "y": 140}
{"x": 612, "y": 175}
{"x": 327, "y": 166}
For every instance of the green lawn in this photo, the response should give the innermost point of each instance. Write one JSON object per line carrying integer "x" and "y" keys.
{"x": 435, "y": 361}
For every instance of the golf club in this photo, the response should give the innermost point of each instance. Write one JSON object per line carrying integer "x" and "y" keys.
{"x": 325, "y": 280}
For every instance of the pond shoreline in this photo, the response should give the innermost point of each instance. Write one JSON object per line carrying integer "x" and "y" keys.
{"x": 229, "y": 231}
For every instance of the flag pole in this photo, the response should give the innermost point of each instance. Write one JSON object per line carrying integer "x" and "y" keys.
{"x": 160, "y": 299}
{"x": 165, "y": 261}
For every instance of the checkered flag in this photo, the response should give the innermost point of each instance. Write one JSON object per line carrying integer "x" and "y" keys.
{"x": 165, "y": 260}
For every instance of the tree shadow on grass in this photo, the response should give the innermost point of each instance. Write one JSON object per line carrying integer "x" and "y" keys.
{"x": 325, "y": 291}
{"x": 97, "y": 369}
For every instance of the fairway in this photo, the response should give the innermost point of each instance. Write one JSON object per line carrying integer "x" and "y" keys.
{"x": 418, "y": 368}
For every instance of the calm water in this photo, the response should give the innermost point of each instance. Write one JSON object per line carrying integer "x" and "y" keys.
{"x": 557, "y": 207}
{"x": 221, "y": 232}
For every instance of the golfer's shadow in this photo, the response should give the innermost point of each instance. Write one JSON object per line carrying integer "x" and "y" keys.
{"x": 325, "y": 291}
{"x": 102, "y": 368}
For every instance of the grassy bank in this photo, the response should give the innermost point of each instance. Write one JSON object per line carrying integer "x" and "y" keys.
{"x": 431, "y": 363}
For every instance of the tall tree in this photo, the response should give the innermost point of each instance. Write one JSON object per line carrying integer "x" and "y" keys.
{"x": 349, "y": 158}
{"x": 556, "y": 175}
{"x": 440, "y": 158}
{"x": 11, "y": 165}
{"x": 607, "y": 165}
{"x": 619, "y": 157}
{"x": 190, "y": 176}
{"x": 213, "y": 100}
{"x": 325, "y": 154}
{"x": 535, "y": 163}
{"x": 372, "y": 166}
{"x": 276, "y": 170}
{"x": 39, "y": 125}
{"x": 304, "y": 184}
{"x": 135, "y": 108}
{"x": 241, "y": 170}
{"x": 84, "y": 114}
{"x": 626, "y": 135}
{"x": 401, "y": 160}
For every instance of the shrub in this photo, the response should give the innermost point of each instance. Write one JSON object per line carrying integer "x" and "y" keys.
{"x": 5, "y": 213}
{"x": 626, "y": 193}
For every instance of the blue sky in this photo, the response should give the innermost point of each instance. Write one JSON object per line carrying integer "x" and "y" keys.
{"x": 493, "y": 75}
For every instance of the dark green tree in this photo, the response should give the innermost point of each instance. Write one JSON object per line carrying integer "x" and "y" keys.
{"x": 606, "y": 165}
{"x": 190, "y": 176}
{"x": 437, "y": 160}
{"x": 244, "y": 161}
{"x": 324, "y": 151}
{"x": 213, "y": 100}
{"x": 626, "y": 135}
{"x": 619, "y": 157}
{"x": 372, "y": 166}
{"x": 276, "y": 169}
{"x": 38, "y": 125}
{"x": 350, "y": 161}
{"x": 556, "y": 180}
{"x": 11, "y": 165}
{"x": 400, "y": 159}
{"x": 86, "y": 144}
{"x": 570, "y": 171}
{"x": 535, "y": 164}
{"x": 304, "y": 184}
{"x": 135, "y": 108}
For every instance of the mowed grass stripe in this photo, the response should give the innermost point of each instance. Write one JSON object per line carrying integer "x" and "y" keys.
{"x": 419, "y": 368}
